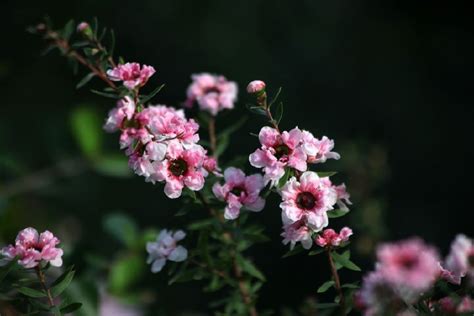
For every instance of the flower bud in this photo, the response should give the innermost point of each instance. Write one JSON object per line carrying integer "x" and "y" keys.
{"x": 256, "y": 86}
{"x": 84, "y": 28}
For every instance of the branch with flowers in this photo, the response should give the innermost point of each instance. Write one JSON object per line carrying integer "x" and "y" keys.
{"x": 164, "y": 146}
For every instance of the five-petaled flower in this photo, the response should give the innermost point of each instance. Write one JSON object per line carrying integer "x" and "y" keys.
{"x": 132, "y": 74}
{"x": 165, "y": 248}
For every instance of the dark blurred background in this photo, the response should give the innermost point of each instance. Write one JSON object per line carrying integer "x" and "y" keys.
{"x": 390, "y": 81}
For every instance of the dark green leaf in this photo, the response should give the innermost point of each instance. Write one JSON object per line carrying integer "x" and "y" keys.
{"x": 279, "y": 113}
{"x": 326, "y": 286}
{"x": 85, "y": 80}
{"x": 122, "y": 227}
{"x": 344, "y": 261}
{"x": 112, "y": 43}
{"x": 71, "y": 308}
{"x": 350, "y": 286}
{"x": 256, "y": 109}
{"x": 61, "y": 284}
{"x": 286, "y": 176}
{"x": 316, "y": 252}
{"x": 249, "y": 267}
{"x": 296, "y": 250}
{"x": 7, "y": 268}
{"x": 197, "y": 225}
{"x": 105, "y": 94}
{"x": 326, "y": 305}
{"x": 112, "y": 165}
{"x": 148, "y": 97}
{"x": 183, "y": 276}
{"x": 68, "y": 30}
{"x": 337, "y": 213}
{"x": 125, "y": 272}
{"x": 31, "y": 292}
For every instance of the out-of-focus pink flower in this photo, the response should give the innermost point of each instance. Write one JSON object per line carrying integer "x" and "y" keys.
{"x": 448, "y": 306}
{"x": 123, "y": 111}
{"x": 255, "y": 86}
{"x": 378, "y": 297}
{"x": 410, "y": 265}
{"x": 211, "y": 92}
{"x": 307, "y": 199}
{"x": 329, "y": 238}
{"x": 459, "y": 261}
{"x": 342, "y": 197}
{"x": 318, "y": 151}
{"x": 166, "y": 248}
{"x": 277, "y": 152}
{"x": 111, "y": 306}
{"x": 297, "y": 232}
{"x": 81, "y": 27}
{"x": 31, "y": 248}
{"x": 132, "y": 74}
{"x": 240, "y": 191}
{"x": 181, "y": 167}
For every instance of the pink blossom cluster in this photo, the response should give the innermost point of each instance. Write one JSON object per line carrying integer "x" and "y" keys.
{"x": 404, "y": 271}
{"x": 239, "y": 191}
{"x": 132, "y": 74}
{"x": 329, "y": 238}
{"x": 31, "y": 248}
{"x": 448, "y": 306}
{"x": 162, "y": 145}
{"x": 166, "y": 248}
{"x": 213, "y": 93}
{"x": 305, "y": 203}
{"x": 293, "y": 149}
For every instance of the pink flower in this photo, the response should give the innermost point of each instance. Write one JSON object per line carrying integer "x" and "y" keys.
{"x": 210, "y": 165}
{"x": 212, "y": 93}
{"x": 409, "y": 265}
{"x": 342, "y": 197}
{"x": 318, "y": 151}
{"x": 255, "y": 86}
{"x": 166, "y": 123}
{"x": 307, "y": 199}
{"x": 123, "y": 111}
{"x": 458, "y": 262}
{"x": 448, "y": 305}
{"x": 277, "y": 152}
{"x": 166, "y": 248}
{"x": 297, "y": 232}
{"x": 377, "y": 296}
{"x": 239, "y": 191}
{"x": 181, "y": 167}
{"x": 132, "y": 74}
{"x": 330, "y": 238}
{"x": 31, "y": 247}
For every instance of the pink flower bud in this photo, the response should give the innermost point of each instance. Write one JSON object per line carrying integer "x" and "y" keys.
{"x": 83, "y": 26}
{"x": 256, "y": 86}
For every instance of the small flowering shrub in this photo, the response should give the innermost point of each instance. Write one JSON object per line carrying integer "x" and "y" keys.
{"x": 163, "y": 144}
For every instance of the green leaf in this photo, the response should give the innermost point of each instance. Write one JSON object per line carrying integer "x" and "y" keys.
{"x": 10, "y": 266}
{"x": 85, "y": 80}
{"x": 105, "y": 94}
{"x": 286, "y": 176}
{"x": 56, "y": 311}
{"x": 249, "y": 267}
{"x": 68, "y": 30}
{"x": 61, "y": 284}
{"x": 147, "y": 98}
{"x": 222, "y": 145}
{"x": 296, "y": 250}
{"x": 125, "y": 272}
{"x": 232, "y": 128}
{"x": 197, "y": 225}
{"x": 275, "y": 98}
{"x": 326, "y": 286}
{"x": 326, "y": 174}
{"x": 279, "y": 113}
{"x": 71, "y": 308}
{"x": 256, "y": 110}
{"x": 31, "y": 292}
{"x": 344, "y": 261}
{"x": 112, "y": 43}
{"x": 183, "y": 276}
{"x": 350, "y": 286}
{"x": 112, "y": 166}
{"x": 86, "y": 128}
{"x": 316, "y": 252}
{"x": 122, "y": 227}
{"x": 337, "y": 213}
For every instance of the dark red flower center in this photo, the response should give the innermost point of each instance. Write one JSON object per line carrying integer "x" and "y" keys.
{"x": 211, "y": 90}
{"x": 178, "y": 167}
{"x": 408, "y": 262}
{"x": 306, "y": 200}
{"x": 237, "y": 191}
{"x": 281, "y": 151}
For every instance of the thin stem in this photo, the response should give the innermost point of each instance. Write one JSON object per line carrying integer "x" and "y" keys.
{"x": 42, "y": 280}
{"x": 262, "y": 100}
{"x": 243, "y": 289}
{"x": 337, "y": 282}
{"x": 212, "y": 136}
{"x": 65, "y": 47}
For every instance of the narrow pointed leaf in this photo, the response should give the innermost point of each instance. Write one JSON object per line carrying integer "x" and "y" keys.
{"x": 85, "y": 80}
{"x": 326, "y": 286}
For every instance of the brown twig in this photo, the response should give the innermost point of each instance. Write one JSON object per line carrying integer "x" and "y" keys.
{"x": 42, "y": 280}
{"x": 337, "y": 283}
